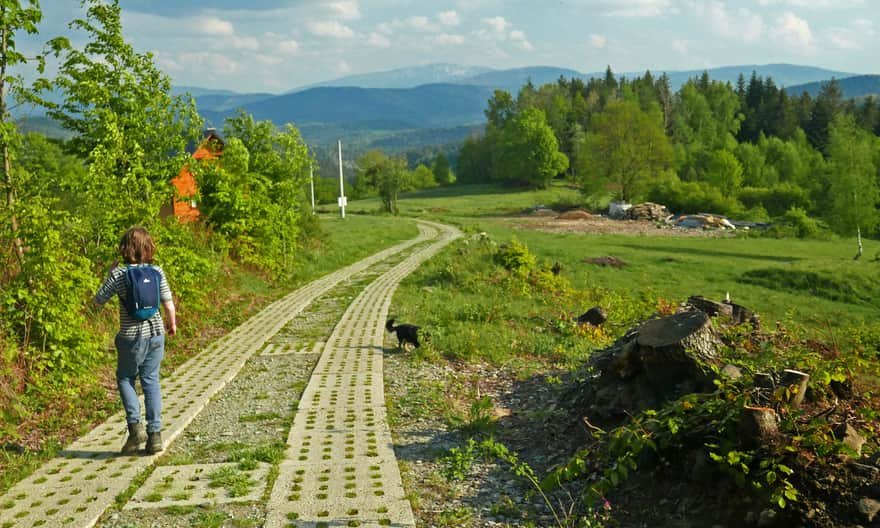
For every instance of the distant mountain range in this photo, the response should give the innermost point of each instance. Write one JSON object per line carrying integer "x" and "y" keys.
{"x": 438, "y": 73}
{"x": 858, "y": 86}
{"x": 397, "y": 106}
{"x": 513, "y": 79}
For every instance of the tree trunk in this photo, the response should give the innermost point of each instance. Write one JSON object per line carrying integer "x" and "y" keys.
{"x": 7, "y": 165}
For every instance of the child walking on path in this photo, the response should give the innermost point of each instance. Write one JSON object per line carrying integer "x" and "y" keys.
{"x": 140, "y": 344}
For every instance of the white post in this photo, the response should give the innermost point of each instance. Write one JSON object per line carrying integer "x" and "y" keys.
{"x": 312, "y": 185}
{"x": 341, "y": 187}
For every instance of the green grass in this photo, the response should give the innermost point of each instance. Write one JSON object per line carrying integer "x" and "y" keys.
{"x": 805, "y": 282}
{"x": 810, "y": 283}
{"x": 467, "y": 201}
{"x": 345, "y": 241}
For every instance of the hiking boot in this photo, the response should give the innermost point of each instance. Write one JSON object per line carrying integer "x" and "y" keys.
{"x": 136, "y": 437}
{"x": 154, "y": 443}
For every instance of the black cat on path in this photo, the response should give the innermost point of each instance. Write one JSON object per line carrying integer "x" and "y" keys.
{"x": 406, "y": 333}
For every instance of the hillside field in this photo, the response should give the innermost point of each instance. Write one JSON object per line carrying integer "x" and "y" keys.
{"x": 810, "y": 283}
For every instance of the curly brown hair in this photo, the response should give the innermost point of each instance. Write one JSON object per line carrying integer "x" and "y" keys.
{"x": 137, "y": 247}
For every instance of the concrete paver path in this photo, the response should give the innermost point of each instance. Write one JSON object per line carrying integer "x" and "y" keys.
{"x": 340, "y": 430}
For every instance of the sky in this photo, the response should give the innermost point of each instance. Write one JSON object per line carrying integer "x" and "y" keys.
{"x": 279, "y": 45}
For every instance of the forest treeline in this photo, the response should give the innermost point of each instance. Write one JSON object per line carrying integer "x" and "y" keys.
{"x": 747, "y": 150}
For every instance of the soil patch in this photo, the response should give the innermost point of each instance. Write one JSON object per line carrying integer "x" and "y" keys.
{"x": 605, "y": 226}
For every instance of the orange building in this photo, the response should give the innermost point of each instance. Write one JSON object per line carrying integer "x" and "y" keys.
{"x": 184, "y": 205}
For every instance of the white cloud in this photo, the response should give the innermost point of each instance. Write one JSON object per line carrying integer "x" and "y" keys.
{"x": 418, "y": 22}
{"x": 680, "y": 46}
{"x": 865, "y": 26}
{"x": 842, "y": 39}
{"x": 330, "y": 28}
{"x": 448, "y": 18}
{"x": 342, "y": 67}
{"x": 345, "y": 9}
{"x": 215, "y": 63}
{"x": 794, "y": 33}
{"x": 213, "y": 26}
{"x": 446, "y": 39}
{"x": 742, "y": 24}
{"x": 814, "y": 4}
{"x": 497, "y": 23}
{"x": 268, "y": 60}
{"x": 378, "y": 40}
{"x": 520, "y": 40}
{"x": 635, "y": 8}
{"x": 385, "y": 28}
{"x": 287, "y": 47}
{"x": 244, "y": 43}
{"x": 598, "y": 41}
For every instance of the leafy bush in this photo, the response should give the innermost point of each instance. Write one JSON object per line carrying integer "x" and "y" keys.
{"x": 515, "y": 258}
{"x": 803, "y": 225}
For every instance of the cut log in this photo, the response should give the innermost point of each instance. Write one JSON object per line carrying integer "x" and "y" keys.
{"x": 758, "y": 426}
{"x": 679, "y": 349}
{"x": 796, "y": 381}
{"x": 710, "y": 307}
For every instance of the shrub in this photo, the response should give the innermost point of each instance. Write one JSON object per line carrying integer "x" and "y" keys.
{"x": 803, "y": 225}
{"x": 515, "y": 258}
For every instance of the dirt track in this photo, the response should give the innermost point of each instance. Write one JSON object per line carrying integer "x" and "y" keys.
{"x": 606, "y": 226}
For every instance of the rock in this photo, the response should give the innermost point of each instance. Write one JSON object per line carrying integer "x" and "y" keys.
{"x": 731, "y": 371}
{"x": 869, "y": 508}
{"x": 767, "y": 518}
{"x": 853, "y": 440}
{"x": 594, "y": 316}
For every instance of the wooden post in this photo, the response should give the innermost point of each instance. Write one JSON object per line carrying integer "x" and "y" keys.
{"x": 758, "y": 425}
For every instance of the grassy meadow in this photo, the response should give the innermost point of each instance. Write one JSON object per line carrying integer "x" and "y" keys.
{"x": 814, "y": 284}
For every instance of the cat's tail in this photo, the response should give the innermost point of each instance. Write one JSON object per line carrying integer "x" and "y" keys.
{"x": 389, "y": 325}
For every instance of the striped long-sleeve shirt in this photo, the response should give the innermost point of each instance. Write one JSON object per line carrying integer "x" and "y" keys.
{"x": 129, "y": 326}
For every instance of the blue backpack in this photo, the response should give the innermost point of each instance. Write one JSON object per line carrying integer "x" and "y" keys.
{"x": 142, "y": 291}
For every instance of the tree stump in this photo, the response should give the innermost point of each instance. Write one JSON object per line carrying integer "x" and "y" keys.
{"x": 797, "y": 382}
{"x": 678, "y": 349}
{"x": 595, "y": 316}
{"x": 758, "y": 426}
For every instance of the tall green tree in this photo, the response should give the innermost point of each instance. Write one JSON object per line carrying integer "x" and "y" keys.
{"x": 624, "y": 149}
{"x": 475, "y": 160}
{"x": 828, "y": 105}
{"x": 442, "y": 172}
{"x": 528, "y": 153}
{"x": 387, "y": 176}
{"x": 15, "y": 18}
{"x": 127, "y": 125}
{"x": 853, "y": 191}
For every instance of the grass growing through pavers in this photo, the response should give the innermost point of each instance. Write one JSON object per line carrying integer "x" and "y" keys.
{"x": 240, "y": 293}
{"x": 319, "y": 320}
